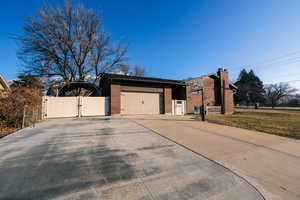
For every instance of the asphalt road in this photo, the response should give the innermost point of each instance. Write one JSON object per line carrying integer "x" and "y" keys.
{"x": 109, "y": 158}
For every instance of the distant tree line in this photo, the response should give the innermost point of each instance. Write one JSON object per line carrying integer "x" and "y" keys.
{"x": 251, "y": 91}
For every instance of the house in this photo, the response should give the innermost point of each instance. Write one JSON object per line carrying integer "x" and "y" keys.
{"x": 214, "y": 90}
{"x": 4, "y": 87}
{"x": 146, "y": 95}
{"x": 119, "y": 94}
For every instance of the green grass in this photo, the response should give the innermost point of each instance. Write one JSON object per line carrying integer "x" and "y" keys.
{"x": 283, "y": 124}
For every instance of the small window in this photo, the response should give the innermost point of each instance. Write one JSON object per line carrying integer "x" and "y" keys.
{"x": 179, "y": 102}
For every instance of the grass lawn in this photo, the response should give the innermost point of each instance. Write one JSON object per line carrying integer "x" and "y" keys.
{"x": 278, "y": 123}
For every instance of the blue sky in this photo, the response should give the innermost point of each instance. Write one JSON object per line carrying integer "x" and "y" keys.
{"x": 186, "y": 38}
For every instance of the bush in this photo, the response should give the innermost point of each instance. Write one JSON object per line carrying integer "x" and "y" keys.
{"x": 16, "y": 102}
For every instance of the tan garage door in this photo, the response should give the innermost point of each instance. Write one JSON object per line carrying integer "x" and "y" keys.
{"x": 140, "y": 103}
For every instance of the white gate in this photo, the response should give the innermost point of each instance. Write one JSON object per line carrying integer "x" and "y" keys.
{"x": 94, "y": 106}
{"x": 178, "y": 107}
{"x": 58, "y": 107}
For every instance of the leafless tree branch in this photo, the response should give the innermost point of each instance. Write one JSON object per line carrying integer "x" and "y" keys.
{"x": 69, "y": 42}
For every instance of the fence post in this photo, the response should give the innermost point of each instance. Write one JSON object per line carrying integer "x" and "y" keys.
{"x": 79, "y": 106}
{"x": 42, "y": 111}
{"x": 33, "y": 118}
{"x": 24, "y": 116}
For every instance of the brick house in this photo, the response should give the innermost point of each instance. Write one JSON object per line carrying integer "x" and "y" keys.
{"x": 146, "y": 95}
{"x": 214, "y": 90}
{"x": 125, "y": 95}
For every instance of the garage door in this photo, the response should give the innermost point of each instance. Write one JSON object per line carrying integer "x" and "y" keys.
{"x": 140, "y": 103}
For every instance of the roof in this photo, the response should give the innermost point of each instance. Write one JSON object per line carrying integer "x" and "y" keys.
{"x": 232, "y": 85}
{"x": 203, "y": 76}
{"x": 199, "y": 83}
{"x": 4, "y": 83}
{"x": 142, "y": 79}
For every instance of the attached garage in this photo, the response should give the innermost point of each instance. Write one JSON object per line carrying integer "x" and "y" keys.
{"x": 131, "y": 95}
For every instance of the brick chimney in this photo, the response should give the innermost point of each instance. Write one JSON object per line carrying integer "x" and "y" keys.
{"x": 226, "y": 93}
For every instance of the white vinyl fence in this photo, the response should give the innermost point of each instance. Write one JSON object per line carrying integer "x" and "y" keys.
{"x": 58, "y": 107}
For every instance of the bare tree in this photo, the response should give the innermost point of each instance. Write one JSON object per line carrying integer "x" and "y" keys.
{"x": 124, "y": 68}
{"x": 139, "y": 71}
{"x": 275, "y": 92}
{"x": 69, "y": 42}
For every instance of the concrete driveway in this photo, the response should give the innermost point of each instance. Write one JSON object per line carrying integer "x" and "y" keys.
{"x": 269, "y": 162}
{"x": 109, "y": 158}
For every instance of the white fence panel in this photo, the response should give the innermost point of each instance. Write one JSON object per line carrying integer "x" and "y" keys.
{"x": 94, "y": 106}
{"x": 57, "y": 107}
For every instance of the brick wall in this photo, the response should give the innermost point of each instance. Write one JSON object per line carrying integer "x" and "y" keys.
{"x": 196, "y": 99}
{"x": 229, "y": 106}
{"x": 115, "y": 99}
{"x": 214, "y": 93}
{"x": 211, "y": 94}
{"x": 168, "y": 100}
{"x": 226, "y": 93}
{"x": 189, "y": 103}
{"x": 210, "y": 91}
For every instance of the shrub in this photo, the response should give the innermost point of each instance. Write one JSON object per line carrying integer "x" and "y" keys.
{"x": 16, "y": 102}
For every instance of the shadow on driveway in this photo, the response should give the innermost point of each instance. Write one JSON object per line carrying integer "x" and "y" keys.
{"x": 97, "y": 158}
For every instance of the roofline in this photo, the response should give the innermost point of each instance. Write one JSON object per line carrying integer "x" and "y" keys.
{"x": 234, "y": 86}
{"x": 212, "y": 74}
{"x": 2, "y": 80}
{"x": 142, "y": 79}
{"x": 215, "y": 75}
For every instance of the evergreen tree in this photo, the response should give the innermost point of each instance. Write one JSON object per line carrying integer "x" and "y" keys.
{"x": 250, "y": 88}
